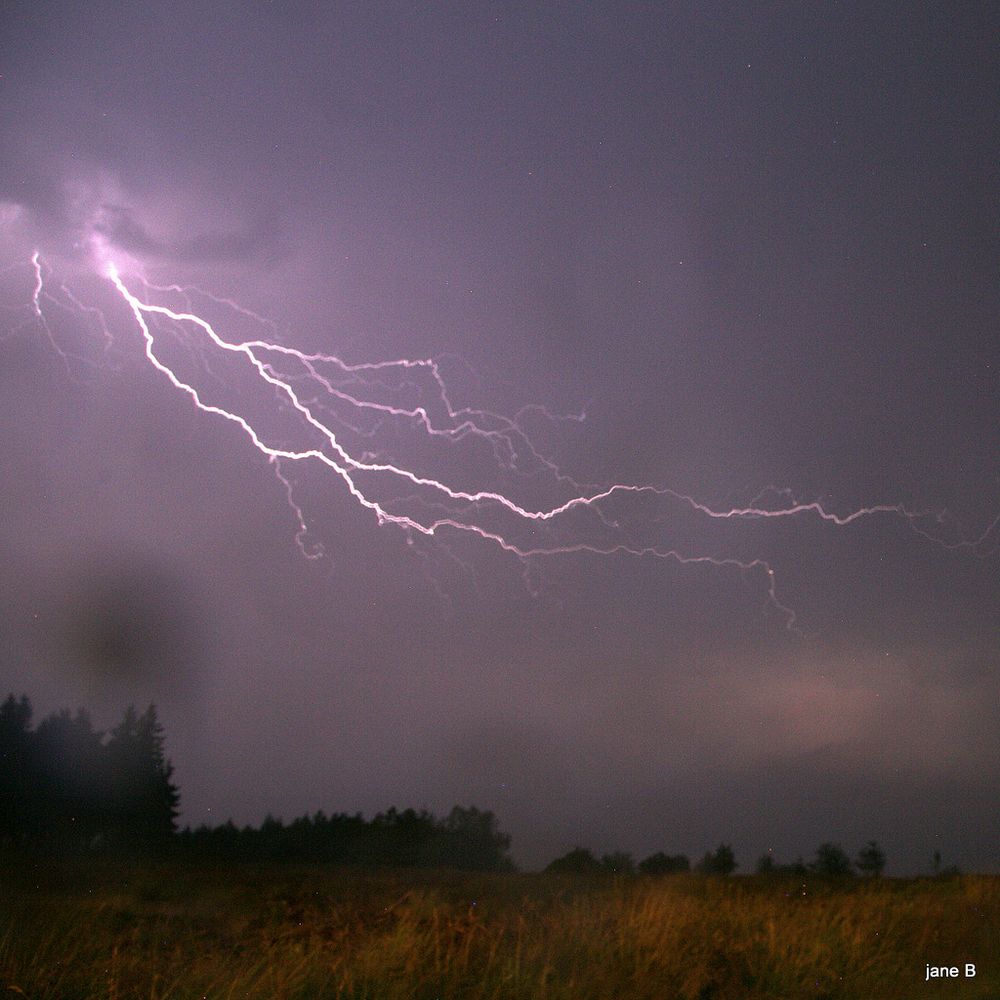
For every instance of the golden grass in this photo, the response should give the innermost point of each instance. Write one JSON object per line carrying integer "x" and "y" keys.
{"x": 176, "y": 931}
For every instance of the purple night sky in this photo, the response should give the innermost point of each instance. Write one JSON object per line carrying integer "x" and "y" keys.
{"x": 756, "y": 252}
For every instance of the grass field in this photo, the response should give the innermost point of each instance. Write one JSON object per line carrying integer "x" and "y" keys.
{"x": 82, "y": 931}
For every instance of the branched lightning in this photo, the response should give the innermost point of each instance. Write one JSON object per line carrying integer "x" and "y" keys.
{"x": 342, "y": 409}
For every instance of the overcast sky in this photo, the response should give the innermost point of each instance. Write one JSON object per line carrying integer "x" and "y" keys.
{"x": 756, "y": 248}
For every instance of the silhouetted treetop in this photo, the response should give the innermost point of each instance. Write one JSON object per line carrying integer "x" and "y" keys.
{"x": 871, "y": 859}
{"x": 63, "y": 784}
{"x": 664, "y": 864}
{"x": 831, "y": 859}
{"x": 579, "y": 861}
{"x": 467, "y": 838}
{"x": 721, "y": 861}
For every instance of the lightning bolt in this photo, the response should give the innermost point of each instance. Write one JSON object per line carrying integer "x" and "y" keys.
{"x": 336, "y": 405}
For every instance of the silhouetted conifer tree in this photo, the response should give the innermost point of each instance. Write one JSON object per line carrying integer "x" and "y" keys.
{"x": 63, "y": 786}
{"x": 71, "y": 806}
{"x": 142, "y": 799}
{"x": 17, "y": 805}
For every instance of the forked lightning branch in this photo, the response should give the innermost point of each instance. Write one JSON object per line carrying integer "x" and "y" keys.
{"x": 356, "y": 418}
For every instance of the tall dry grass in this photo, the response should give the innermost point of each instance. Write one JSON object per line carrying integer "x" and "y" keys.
{"x": 174, "y": 931}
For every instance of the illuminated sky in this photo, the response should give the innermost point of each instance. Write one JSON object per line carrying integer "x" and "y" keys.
{"x": 757, "y": 251}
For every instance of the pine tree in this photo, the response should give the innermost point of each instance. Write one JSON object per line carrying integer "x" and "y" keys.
{"x": 17, "y": 804}
{"x": 163, "y": 795}
{"x": 143, "y": 800}
{"x": 70, "y": 757}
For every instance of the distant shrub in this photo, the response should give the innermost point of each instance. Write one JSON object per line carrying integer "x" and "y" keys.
{"x": 579, "y": 861}
{"x": 664, "y": 864}
{"x": 871, "y": 859}
{"x": 618, "y": 863}
{"x": 766, "y": 865}
{"x": 721, "y": 861}
{"x": 831, "y": 860}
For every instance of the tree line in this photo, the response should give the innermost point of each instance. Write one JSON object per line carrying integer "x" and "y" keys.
{"x": 830, "y": 860}
{"x": 466, "y": 838}
{"x": 65, "y": 785}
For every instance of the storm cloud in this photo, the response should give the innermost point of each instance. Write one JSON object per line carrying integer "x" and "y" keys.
{"x": 757, "y": 251}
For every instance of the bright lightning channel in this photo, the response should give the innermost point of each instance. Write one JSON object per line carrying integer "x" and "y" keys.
{"x": 461, "y": 509}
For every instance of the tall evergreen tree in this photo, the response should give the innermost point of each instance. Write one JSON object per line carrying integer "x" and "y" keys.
{"x": 17, "y": 805}
{"x": 143, "y": 799}
{"x": 70, "y": 757}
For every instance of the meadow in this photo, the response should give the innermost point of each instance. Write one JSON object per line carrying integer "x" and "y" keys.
{"x": 76, "y": 930}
